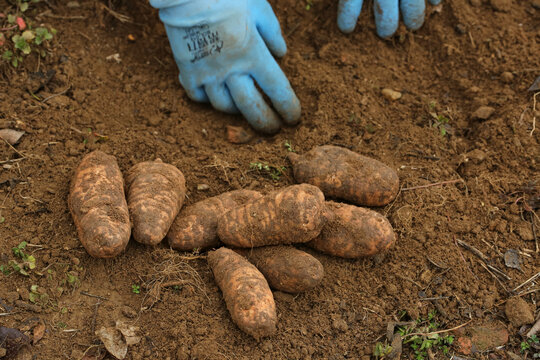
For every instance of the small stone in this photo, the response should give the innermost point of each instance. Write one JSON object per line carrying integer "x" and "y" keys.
{"x": 238, "y": 135}
{"x": 203, "y": 187}
{"x": 154, "y": 120}
{"x": 476, "y": 155}
{"x": 507, "y": 77}
{"x": 518, "y": 312}
{"x": 60, "y": 101}
{"x": 464, "y": 345}
{"x": 482, "y": 338}
{"x": 3, "y": 352}
{"x": 511, "y": 259}
{"x": 476, "y": 3}
{"x": 501, "y": 5}
{"x": 73, "y": 4}
{"x": 483, "y": 113}
{"x": 75, "y": 261}
{"x": 461, "y": 29}
{"x": 391, "y": 289}
{"x": 524, "y": 230}
{"x": 129, "y": 312}
{"x": 390, "y": 94}
{"x": 170, "y": 139}
{"x": 340, "y": 324}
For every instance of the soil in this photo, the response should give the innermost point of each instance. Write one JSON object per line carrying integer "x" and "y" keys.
{"x": 469, "y": 54}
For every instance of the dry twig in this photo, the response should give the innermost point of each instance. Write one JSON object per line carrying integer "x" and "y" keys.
{"x": 434, "y": 184}
{"x": 439, "y": 332}
{"x": 484, "y": 258}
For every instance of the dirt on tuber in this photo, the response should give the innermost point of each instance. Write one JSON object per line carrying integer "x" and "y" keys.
{"x": 344, "y": 174}
{"x": 246, "y": 292}
{"x": 354, "y": 232}
{"x": 98, "y": 205}
{"x": 195, "y": 227}
{"x": 155, "y": 195}
{"x": 295, "y": 214}
{"x": 286, "y": 268}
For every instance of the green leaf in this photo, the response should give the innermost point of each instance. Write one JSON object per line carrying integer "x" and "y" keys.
{"x": 7, "y": 56}
{"x": 2, "y": 219}
{"x": 28, "y": 35}
{"x": 21, "y": 44}
{"x": 11, "y": 18}
{"x": 24, "y": 6}
{"x": 31, "y": 262}
{"x": 33, "y": 297}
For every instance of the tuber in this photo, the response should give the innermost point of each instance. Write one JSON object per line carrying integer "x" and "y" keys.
{"x": 98, "y": 205}
{"x": 343, "y": 174}
{"x": 245, "y": 290}
{"x": 155, "y": 195}
{"x": 295, "y": 214}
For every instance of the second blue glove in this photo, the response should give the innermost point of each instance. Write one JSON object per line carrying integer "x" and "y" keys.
{"x": 222, "y": 48}
{"x": 386, "y": 14}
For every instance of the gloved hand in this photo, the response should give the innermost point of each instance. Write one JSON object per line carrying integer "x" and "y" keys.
{"x": 221, "y": 47}
{"x": 386, "y": 14}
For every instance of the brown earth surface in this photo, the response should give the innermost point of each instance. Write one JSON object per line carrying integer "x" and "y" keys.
{"x": 469, "y": 54}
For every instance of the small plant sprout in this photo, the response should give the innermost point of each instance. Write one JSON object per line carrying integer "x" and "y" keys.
{"x": 28, "y": 261}
{"x": 442, "y": 123}
{"x": 274, "y": 172}
{"x": 136, "y": 289}
{"x": 309, "y": 4}
{"x": 288, "y": 146}
{"x": 381, "y": 350}
{"x": 421, "y": 337}
{"x": 527, "y": 344}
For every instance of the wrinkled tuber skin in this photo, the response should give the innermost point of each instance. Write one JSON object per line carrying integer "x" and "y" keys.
{"x": 98, "y": 205}
{"x": 195, "y": 227}
{"x": 354, "y": 232}
{"x": 286, "y": 268}
{"x": 295, "y": 214}
{"x": 246, "y": 292}
{"x": 156, "y": 193}
{"x": 344, "y": 174}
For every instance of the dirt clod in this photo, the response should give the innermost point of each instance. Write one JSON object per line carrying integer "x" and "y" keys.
{"x": 507, "y": 77}
{"x": 518, "y": 312}
{"x": 501, "y": 5}
{"x": 483, "y": 113}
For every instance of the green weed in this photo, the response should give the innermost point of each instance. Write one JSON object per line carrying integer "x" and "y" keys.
{"x": 28, "y": 261}
{"x": 423, "y": 337}
{"x": 526, "y": 345}
{"x": 136, "y": 289}
{"x": 289, "y": 146}
{"x": 274, "y": 172}
{"x": 25, "y": 38}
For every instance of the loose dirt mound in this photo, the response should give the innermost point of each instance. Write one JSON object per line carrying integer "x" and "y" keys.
{"x": 469, "y": 54}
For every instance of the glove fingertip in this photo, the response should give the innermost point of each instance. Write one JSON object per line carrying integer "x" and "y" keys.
{"x": 386, "y": 31}
{"x": 345, "y": 25}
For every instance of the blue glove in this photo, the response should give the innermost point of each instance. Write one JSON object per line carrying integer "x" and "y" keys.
{"x": 386, "y": 14}
{"x": 221, "y": 48}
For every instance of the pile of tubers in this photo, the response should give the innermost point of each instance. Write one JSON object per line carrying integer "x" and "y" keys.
{"x": 256, "y": 229}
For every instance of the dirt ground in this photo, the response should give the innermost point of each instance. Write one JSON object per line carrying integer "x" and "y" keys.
{"x": 470, "y": 53}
